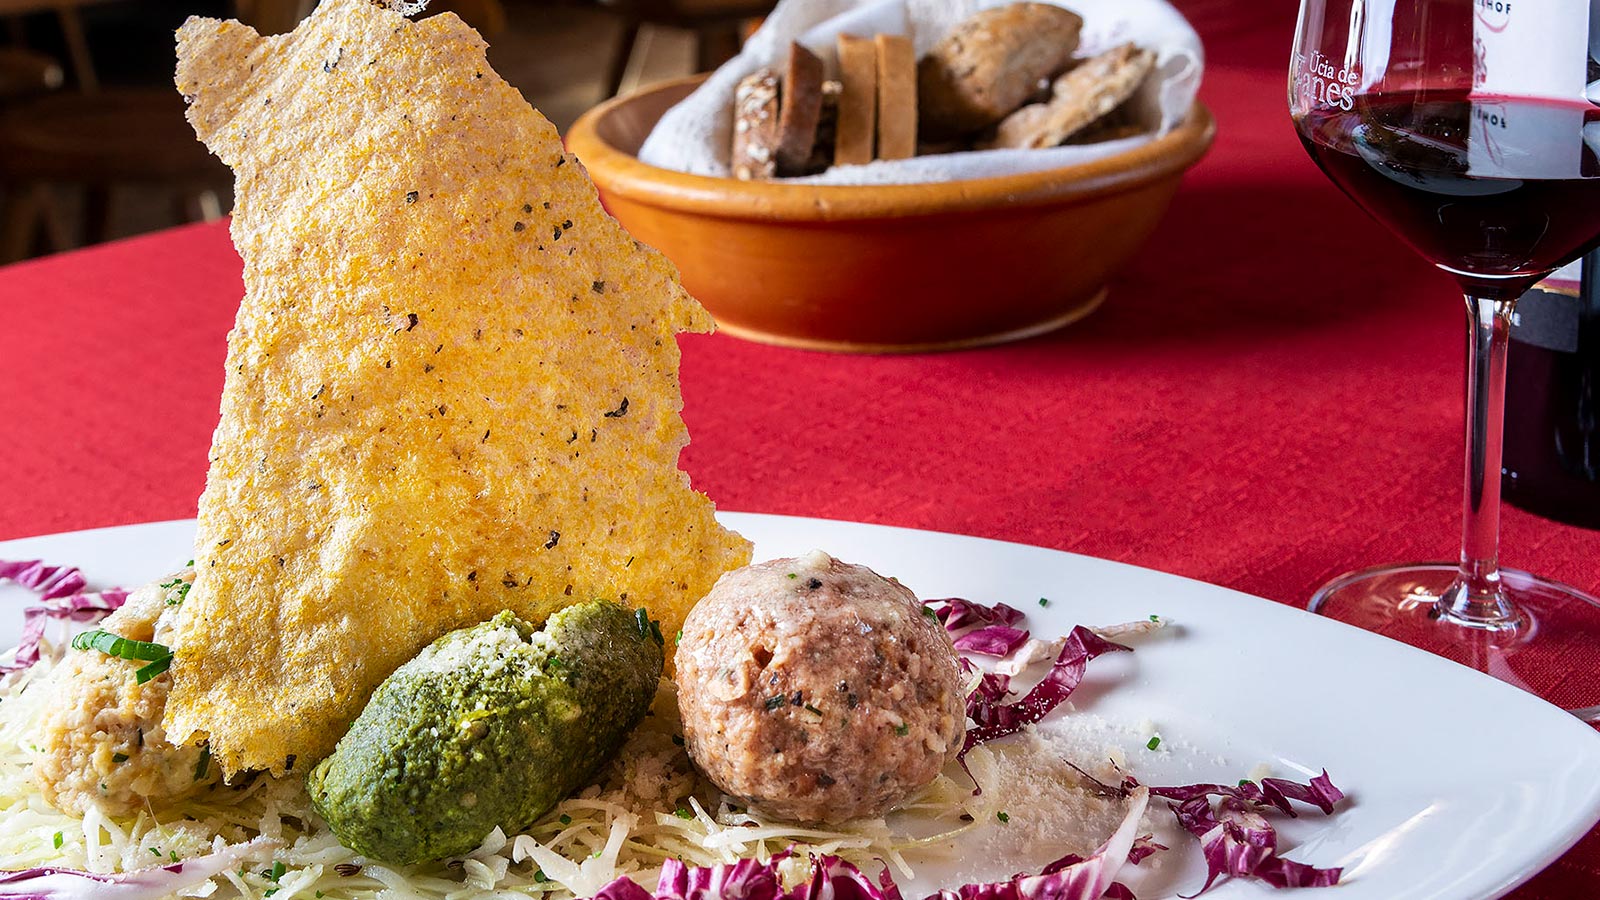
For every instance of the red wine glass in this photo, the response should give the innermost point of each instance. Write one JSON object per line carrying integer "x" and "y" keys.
{"x": 1464, "y": 126}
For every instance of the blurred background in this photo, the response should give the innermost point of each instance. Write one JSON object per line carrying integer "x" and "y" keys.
{"x": 93, "y": 144}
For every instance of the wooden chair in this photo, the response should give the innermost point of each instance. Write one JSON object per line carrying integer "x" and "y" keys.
{"x": 98, "y": 140}
{"x": 24, "y": 74}
{"x": 717, "y": 25}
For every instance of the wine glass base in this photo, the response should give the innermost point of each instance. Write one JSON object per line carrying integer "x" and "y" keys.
{"x": 1551, "y": 648}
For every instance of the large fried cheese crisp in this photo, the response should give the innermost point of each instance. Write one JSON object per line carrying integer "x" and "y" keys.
{"x": 451, "y": 388}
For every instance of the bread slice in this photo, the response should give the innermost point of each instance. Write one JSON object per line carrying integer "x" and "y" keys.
{"x": 897, "y": 97}
{"x": 989, "y": 65}
{"x": 858, "y": 101}
{"x": 800, "y": 110}
{"x": 1084, "y": 95}
{"x": 755, "y": 126}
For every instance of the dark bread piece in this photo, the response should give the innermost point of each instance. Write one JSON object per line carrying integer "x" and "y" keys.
{"x": 827, "y": 129}
{"x": 800, "y": 110}
{"x": 755, "y": 126}
{"x": 989, "y": 65}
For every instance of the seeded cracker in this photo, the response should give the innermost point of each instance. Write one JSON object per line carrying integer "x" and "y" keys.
{"x": 451, "y": 388}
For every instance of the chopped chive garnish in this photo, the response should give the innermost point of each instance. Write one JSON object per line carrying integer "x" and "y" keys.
{"x": 59, "y": 840}
{"x": 928, "y": 611}
{"x": 565, "y": 819}
{"x": 178, "y": 585}
{"x": 682, "y": 813}
{"x": 775, "y": 701}
{"x": 150, "y": 671}
{"x": 793, "y": 575}
{"x": 1002, "y": 816}
{"x": 1044, "y": 601}
{"x": 277, "y": 870}
{"x": 120, "y": 647}
{"x": 204, "y": 765}
{"x": 813, "y": 709}
{"x": 642, "y": 619}
{"x": 1243, "y": 782}
{"x": 1155, "y": 618}
{"x": 158, "y": 656}
{"x": 680, "y": 635}
{"x": 154, "y": 851}
{"x": 172, "y": 855}
{"x": 1155, "y": 741}
{"x": 902, "y": 729}
{"x": 540, "y": 876}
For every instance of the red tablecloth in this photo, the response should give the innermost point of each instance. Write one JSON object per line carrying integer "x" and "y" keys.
{"x": 1270, "y": 397}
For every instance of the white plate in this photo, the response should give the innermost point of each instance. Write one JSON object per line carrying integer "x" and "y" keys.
{"x": 1461, "y": 787}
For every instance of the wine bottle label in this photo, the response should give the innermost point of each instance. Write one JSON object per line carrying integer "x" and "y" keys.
{"x": 1528, "y": 48}
{"x": 1511, "y": 140}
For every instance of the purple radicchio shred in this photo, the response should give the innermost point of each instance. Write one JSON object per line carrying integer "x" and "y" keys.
{"x": 58, "y": 589}
{"x": 957, "y": 613}
{"x": 1236, "y": 838}
{"x": 992, "y": 640}
{"x": 994, "y": 719}
{"x": 831, "y": 878}
{"x": 76, "y": 608}
{"x": 1238, "y": 841}
{"x": 749, "y": 879}
{"x": 1144, "y": 846}
{"x": 153, "y": 883}
{"x": 1273, "y": 792}
{"x": 49, "y": 582}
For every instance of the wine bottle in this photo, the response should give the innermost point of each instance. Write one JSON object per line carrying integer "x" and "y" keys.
{"x": 1552, "y": 445}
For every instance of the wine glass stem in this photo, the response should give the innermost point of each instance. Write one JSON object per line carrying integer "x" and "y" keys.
{"x": 1477, "y": 598}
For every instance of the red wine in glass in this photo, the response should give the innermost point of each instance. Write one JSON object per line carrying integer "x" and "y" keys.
{"x": 1496, "y": 190}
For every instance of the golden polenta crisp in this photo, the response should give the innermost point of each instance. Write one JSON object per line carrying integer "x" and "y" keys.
{"x": 452, "y": 387}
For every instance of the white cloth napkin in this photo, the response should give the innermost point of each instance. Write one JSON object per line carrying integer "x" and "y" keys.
{"x": 695, "y": 135}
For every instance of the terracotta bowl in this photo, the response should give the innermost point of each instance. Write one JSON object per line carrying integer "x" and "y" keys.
{"x": 894, "y": 268}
